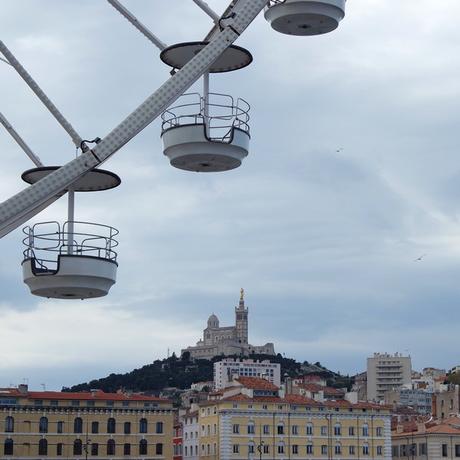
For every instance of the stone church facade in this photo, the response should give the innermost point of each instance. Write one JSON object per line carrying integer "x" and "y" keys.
{"x": 229, "y": 340}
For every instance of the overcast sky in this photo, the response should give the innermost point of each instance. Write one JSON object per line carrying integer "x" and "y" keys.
{"x": 353, "y": 173}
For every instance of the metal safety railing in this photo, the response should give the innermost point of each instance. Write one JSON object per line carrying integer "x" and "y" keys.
{"x": 45, "y": 241}
{"x": 219, "y": 113}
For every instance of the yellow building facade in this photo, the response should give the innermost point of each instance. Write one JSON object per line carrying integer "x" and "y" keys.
{"x": 293, "y": 427}
{"x": 55, "y": 425}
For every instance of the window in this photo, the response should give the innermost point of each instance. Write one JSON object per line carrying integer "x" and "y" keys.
{"x": 337, "y": 430}
{"x": 413, "y": 450}
{"x": 90, "y": 403}
{"x": 351, "y": 450}
{"x": 309, "y": 429}
{"x": 75, "y": 403}
{"x": 295, "y": 429}
{"x": 365, "y": 430}
{"x": 78, "y": 425}
{"x": 43, "y": 425}
{"x": 281, "y": 448}
{"x": 94, "y": 427}
{"x": 403, "y": 450}
{"x": 159, "y": 427}
{"x": 295, "y": 449}
{"x": 111, "y": 425}
{"x": 280, "y": 429}
{"x": 351, "y": 431}
{"x": 125, "y": 403}
{"x": 236, "y": 428}
{"x": 422, "y": 448}
{"x": 127, "y": 428}
{"x": 38, "y": 402}
{"x": 110, "y": 447}
{"x": 266, "y": 429}
{"x": 159, "y": 449}
{"x": 395, "y": 451}
{"x": 109, "y": 403}
{"x": 379, "y": 431}
{"x": 59, "y": 448}
{"x": 9, "y": 424}
{"x": 143, "y": 425}
{"x": 444, "y": 450}
{"x": 309, "y": 448}
{"x": 251, "y": 448}
{"x": 127, "y": 449}
{"x": 60, "y": 427}
{"x": 266, "y": 449}
{"x": 143, "y": 447}
{"x": 77, "y": 447}
{"x": 251, "y": 428}
{"x": 95, "y": 449}
{"x": 338, "y": 449}
{"x": 457, "y": 450}
{"x": 8, "y": 447}
{"x": 366, "y": 449}
{"x": 379, "y": 450}
{"x": 324, "y": 449}
{"x": 324, "y": 431}
{"x": 236, "y": 448}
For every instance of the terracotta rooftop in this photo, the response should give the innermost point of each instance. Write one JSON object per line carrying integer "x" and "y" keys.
{"x": 98, "y": 395}
{"x": 255, "y": 383}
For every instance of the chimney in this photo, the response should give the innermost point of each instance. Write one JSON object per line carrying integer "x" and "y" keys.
{"x": 23, "y": 388}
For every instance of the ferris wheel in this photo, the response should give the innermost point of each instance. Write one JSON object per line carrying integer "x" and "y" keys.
{"x": 201, "y": 132}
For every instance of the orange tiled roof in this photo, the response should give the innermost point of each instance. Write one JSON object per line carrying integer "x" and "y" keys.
{"x": 85, "y": 396}
{"x": 255, "y": 383}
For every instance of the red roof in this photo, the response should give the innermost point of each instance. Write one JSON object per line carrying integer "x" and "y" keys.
{"x": 84, "y": 396}
{"x": 255, "y": 383}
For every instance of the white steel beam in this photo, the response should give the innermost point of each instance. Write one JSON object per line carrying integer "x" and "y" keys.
{"x": 78, "y": 141}
{"x": 28, "y": 151}
{"x": 144, "y": 30}
{"x": 30, "y": 201}
{"x": 208, "y": 10}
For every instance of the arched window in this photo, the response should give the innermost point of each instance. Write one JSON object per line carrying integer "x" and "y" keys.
{"x": 8, "y": 447}
{"x": 338, "y": 449}
{"x": 9, "y": 424}
{"x": 111, "y": 425}
{"x": 337, "y": 429}
{"x": 365, "y": 449}
{"x": 143, "y": 425}
{"x": 43, "y": 447}
{"x": 110, "y": 447}
{"x": 78, "y": 425}
{"x": 143, "y": 447}
{"x": 43, "y": 425}
{"x": 77, "y": 447}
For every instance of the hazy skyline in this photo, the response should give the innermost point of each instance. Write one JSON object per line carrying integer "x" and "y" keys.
{"x": 353, "y": 174}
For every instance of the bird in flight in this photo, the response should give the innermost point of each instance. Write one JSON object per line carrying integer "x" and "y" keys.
{"x": 418, "y": 259}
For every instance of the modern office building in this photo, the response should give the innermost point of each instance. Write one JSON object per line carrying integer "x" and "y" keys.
{"x": 387, "y": 372}
{"x": 55, "y": 425}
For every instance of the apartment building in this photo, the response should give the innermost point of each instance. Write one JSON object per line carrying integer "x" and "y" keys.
{"x": 387, "y": 372}
{"x": 253, "y": 420}
{"x": 191, "y": 440}
{"x": 56, "y": 425}
{"x": 225, "y": 369}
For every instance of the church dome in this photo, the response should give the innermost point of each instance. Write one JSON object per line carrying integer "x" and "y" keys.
{"x": 213, "y": 321}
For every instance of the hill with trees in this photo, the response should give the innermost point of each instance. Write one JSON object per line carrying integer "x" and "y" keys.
{"x": 183, "y": 372}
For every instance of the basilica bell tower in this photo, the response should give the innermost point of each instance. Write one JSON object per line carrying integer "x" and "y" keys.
{"x": 241, "y": 320}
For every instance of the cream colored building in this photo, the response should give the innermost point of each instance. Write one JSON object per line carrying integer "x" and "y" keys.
{"x": 435, "y": 440}
{"x": 251, "y": 419}
{"x": 387, "y": 372}
{"x": 228, "y": 340}
{"x": 55, "y": 425}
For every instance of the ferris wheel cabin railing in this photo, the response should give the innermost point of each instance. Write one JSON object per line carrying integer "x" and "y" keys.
{"x": 46, "y": 241}
{"x": 219, "y": 113}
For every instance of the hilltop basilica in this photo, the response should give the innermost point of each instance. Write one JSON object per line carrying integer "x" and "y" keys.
{"x": 229, "y": 340}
